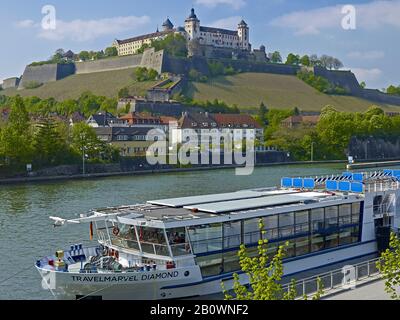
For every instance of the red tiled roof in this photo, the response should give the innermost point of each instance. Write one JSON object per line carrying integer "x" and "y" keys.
{"x": 302, "y": 119}
{"x": 236, "y": 120}
{"x": 167, "y": 120}
{"x": 146, "y": 36}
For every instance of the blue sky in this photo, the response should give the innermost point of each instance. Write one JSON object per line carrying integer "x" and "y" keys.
{"x": 299, "y": 26}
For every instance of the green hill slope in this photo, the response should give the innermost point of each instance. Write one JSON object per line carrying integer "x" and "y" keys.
{"x": 101, "y": 83}
{"x": 247, "y": 90}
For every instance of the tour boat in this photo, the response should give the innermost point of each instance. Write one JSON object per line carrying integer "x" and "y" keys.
{"x": 185, "y": 247}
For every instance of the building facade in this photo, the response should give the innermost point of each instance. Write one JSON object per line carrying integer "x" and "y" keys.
{"x": 239, "y": 126}
{"x": 216, "y": 37}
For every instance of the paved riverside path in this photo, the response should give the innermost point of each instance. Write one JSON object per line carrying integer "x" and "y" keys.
{"x": 370, "y": 291}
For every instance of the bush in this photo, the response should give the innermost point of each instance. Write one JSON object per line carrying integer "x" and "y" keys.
{"x": 32, "y": 85}
{"x": 143, "y": 74}
{"x": 320, "y": 83}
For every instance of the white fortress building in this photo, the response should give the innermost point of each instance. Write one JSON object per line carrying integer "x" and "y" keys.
{"x": 208, "y": 36}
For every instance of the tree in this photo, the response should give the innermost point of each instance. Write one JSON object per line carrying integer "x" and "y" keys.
{"x": 337, "y": 64}
{"x": 84, "y": 140}
{"x": 305, "y": 61}
{"x": 276, "y": 57}
{"x": 262, "y": 114}
{"x": 264, "y": 274}
{"x": 109, "y": 105}
{"x": 84, "y": 55}
{"x": 123, "y": 93}
{"x": 293, "y": 59}
{"x": 143, "y": 47}
{"x": 173, "y": 44}
{"x": 363, "y": 85}
{"x": 393, "y": 90}
{"x": 16, "y": 137}
{"x": 389, "y": 267}
{"x": 144, "y": 74}
{"x": 49, "y": 146}
{"x": 315, "y": 61}
{"x": 111, "y": 52}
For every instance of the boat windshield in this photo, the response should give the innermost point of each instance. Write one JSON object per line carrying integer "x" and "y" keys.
{"x": 144, "y": 239}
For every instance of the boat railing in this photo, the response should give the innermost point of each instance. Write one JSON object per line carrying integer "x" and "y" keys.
{"x": 381, "y": 186}
{"x": 337, "y": 280}
{"x": 103, "y": 236}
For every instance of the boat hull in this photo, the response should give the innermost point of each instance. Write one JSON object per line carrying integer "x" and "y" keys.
{"x": 177, "y": 283}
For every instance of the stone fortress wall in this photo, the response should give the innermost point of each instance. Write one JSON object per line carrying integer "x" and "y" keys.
{"x": 162, "y": 62}
{"x": 46, "y": 73}
{"x": 108, "y": 64}
{"x": 10, "y": 83}
{"x": 54, "y": 72}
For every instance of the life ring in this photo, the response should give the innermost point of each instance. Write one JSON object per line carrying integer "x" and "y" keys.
{"x": 115, "y": 231}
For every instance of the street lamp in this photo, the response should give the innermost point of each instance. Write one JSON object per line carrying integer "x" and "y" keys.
{"x": 83, "y": 160}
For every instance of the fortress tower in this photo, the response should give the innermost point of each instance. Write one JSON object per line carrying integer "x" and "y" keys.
{"x": 244, "y": 36}
{"x": 192, "y": 26}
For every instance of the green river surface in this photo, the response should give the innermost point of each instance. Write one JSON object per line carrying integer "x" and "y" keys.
{"x": 27, "y": 234}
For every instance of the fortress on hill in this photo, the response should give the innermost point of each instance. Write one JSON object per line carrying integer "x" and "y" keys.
{"x": 231, "y": 48}
{"x": 193, "y": 31}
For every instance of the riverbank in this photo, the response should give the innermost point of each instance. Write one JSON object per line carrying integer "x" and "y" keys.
{"x": 22, "y": 180}
{"x": 368, "y": 165}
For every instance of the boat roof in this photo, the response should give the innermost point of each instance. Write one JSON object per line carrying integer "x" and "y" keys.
{"x": 226, "y": 206}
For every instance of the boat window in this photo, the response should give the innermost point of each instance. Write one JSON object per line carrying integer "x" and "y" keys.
{"x": 152, "y": 240}
{"x": 377, "y": 204}
{"x": 231, "y": 261}
{"x": 356, "y": 212}
{"x": 345, "y": 237}
{"x": 289, "y": 248}
{"x": 271, "y": 227}
{"x": 317, "y": 243}
{"x": 125, "y": 236}
{"x": 302, "y": 246}
{"x": 210, "y": 265}
{"x": 331, "y": 217}
{"x": 232, "y": 234}
{"x": 286, "y": 224}
{"x": 252, "y": 231}
{"x": 317, "y": 219}
{"x": 271, "y": 222}
{"x": 344, "y": 214}
{"x": 355, "y": 234}
{"x": 178, "y": 242}
{"x": 206, "y": 238}
{"x": 302, "y": 221}
{"x": 331, "y": 240}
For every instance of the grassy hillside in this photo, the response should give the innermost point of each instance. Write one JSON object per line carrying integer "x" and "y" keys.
{"x": 101, "y": 83}
{"x": 247, "y": 90}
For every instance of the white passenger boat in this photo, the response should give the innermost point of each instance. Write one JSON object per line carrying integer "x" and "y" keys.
{"x": 185, "y": 247}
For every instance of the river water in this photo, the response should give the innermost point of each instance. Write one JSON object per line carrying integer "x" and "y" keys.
{"x": 27, "y": 234}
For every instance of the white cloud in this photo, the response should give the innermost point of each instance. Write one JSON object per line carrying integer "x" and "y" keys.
{"x": 86, "y": 30}
{"x": 25, "y": 24}
{"x": 227, "y": 23}
{"x": 236, "y": 4}
{"x": 366, "y": 55}
{"x": 367, "y": 75}
{"x": 370, "y": 15}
